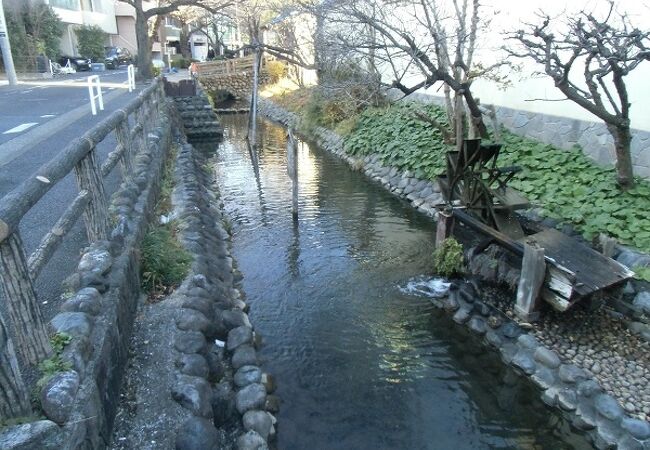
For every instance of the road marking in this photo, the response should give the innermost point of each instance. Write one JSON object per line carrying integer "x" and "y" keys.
{"x": 21, "y": 127}
{"x": 45, "y": 116}
{"x": 22, "y": 143}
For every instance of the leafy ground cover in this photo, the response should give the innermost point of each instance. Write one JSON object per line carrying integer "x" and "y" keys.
{"x": 566, "y": 184}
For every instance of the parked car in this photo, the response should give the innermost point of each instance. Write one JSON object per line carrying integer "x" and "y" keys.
{"x": 116, "y": 56}
{"x": 78, "y": 63}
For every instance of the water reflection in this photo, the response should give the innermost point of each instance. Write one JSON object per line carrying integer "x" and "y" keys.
{"x": 360, "y": 363}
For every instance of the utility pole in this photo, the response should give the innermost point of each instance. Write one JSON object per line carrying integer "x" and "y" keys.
{"x": 6, "y": 49}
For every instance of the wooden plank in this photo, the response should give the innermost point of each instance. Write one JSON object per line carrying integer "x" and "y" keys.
{"x": 533, "y": 271}
{"x": 560, "y": 278}
{"x": 592, "y": 270}
{"x": 510, "y": 198}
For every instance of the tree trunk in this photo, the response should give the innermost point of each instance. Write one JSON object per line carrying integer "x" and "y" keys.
{"x": 14, "y": 396}
{"x": 622, "y": 140}
{"x": 142, "y": 38}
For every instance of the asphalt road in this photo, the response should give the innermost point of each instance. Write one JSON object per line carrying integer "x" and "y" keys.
{"x": 37, "y": 120}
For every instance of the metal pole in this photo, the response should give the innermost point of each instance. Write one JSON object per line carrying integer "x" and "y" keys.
{"x": 5, "y": 46}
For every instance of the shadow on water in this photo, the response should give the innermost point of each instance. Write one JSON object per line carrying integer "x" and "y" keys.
{"x": 359, "y": 363}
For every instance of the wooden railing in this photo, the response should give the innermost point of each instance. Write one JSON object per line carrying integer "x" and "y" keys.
{"x": 18, "y": 272}
{"x": 227, "y": 66}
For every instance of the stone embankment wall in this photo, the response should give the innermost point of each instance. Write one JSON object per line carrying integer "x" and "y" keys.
{"x": 198, "y": 118}
{"x": 219, "y": 379}
{"x": 80, "y": 403}
{"x": 564, "y": 132}
{"x": 238, "y": 84}
{"x": 573, "y": 391}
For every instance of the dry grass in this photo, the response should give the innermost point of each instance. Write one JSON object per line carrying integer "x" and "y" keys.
{"x": 288, "y": 95}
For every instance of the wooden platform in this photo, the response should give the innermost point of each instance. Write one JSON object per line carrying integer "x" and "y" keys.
{"x": 590, "y": 271}
{"x": 573, "y": 270}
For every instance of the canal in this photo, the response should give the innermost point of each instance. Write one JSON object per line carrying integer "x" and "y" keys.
{"x": 361, "y": 362}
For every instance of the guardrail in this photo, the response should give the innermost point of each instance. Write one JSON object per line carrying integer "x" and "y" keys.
{"x": 17, "y": 271}
{"x": 227, "y": 66}
{"x": 131, "y": 77}
{"x": 95, "y": 85}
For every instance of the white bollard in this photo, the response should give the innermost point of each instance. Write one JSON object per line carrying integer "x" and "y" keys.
{"x": 131, "y": 73}
{"x": 93, "y": 82}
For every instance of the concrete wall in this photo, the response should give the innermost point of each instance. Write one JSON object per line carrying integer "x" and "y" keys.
{"x": 565, "y": 132}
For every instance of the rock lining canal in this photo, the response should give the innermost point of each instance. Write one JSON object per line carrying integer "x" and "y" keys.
{"x": 361, "y": 361}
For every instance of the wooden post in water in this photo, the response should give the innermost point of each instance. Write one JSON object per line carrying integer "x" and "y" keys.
{"x": 22, "y": 304}
{"x": 533, "y": 272}
{"x": 292, "y": 170}
{"x": 444, "y": 226}
{"x": 252, "y": 118}
{"x": 14, "y": 396}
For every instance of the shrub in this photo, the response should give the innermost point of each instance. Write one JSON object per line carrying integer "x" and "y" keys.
{"x": 448, "y": 258}
{"x": 181, "y": 63}
{"x": 32, "y": 31}
{"x": 165, "y": 262}
{"x": 277, "y": 70}
{"x": 91, "y": 42}
{"x": 155, "y": 71}
{"x": 54, "y": 364}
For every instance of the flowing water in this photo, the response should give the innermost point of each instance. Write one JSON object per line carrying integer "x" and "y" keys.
{"x": 361, "y": 357}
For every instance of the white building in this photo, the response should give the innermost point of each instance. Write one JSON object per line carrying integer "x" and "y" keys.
{"x": 75, "y": 13}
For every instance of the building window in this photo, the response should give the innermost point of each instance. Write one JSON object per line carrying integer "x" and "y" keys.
{"x": 99, "y": 6}
{"x": 66, "y": 4}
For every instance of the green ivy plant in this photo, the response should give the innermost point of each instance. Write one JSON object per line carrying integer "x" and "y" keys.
{"x": 448, "y": 258}
{"x": 565, "y": 183}
{"x": 54, "y": 364}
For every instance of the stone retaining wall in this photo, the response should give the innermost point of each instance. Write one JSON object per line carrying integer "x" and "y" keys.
{"x": 219, "y": 380}
{"x": 80, "y": 403}
{"x": 564, "y": 386}
{"x": 198, "y": 118}
{"x": 237, "y": 84}
{"x": 564, "y": 132}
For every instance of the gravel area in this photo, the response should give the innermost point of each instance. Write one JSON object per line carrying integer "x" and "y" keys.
{"x": 597, "y": 341}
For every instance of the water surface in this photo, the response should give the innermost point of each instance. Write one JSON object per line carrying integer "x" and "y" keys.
{"x": 360, "y": 363}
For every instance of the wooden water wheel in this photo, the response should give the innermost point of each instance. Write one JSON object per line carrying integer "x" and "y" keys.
{"x": 475, "y": 183}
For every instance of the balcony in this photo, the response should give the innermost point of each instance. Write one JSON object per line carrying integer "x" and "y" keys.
{"x": 72, "y": 5}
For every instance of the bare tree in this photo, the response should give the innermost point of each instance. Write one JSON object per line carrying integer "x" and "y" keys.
{"x": 414, "y": 44}
{"x": 588, "y": 58}
{"x": 142, "y": 17}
